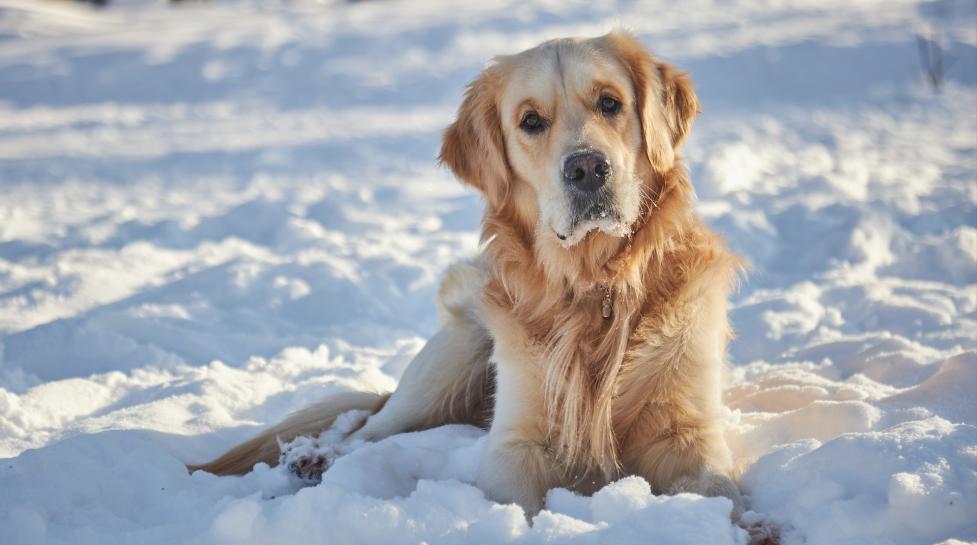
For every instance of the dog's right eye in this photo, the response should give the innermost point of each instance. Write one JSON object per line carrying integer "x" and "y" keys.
{"x": 532, "y": 123}
{"x": 609, "y": 105}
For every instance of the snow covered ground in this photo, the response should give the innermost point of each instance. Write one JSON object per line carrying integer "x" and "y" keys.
{"x": 214, "y": 214}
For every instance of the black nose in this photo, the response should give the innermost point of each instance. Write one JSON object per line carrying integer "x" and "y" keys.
{"x": 586, "y": 170}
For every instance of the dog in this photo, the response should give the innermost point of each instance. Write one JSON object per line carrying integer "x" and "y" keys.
{"x": 589, "y": 334}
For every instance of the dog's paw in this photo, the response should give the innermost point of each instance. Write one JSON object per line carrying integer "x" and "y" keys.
{"x": 711, "y": 484}
{"x": 761, "y": 530}
{"x": 309, "y": 468}
{"x": 306, "y": 459}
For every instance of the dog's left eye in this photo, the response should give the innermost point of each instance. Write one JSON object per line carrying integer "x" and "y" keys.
{"x": 532, "y": 123}
{"x": 609, "y": 105}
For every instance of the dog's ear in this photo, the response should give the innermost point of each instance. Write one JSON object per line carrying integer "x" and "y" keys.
{"x": 665, "y": 99}
{"x": 473, "y": 147}
{"x": 681, "y": 103}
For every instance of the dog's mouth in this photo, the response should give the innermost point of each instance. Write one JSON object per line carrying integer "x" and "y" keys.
{"x": 598, "y": 212}
{"x": 600, "y": 215}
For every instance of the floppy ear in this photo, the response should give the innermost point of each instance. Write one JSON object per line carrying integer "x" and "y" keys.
{"x": 666, "y": 100}
{"x": 473, "y": 146}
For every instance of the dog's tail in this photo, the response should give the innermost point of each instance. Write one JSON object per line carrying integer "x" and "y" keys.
{"x": 311, "y": 421}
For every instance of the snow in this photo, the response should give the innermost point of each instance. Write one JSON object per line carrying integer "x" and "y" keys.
{"x": 217, "y": 213}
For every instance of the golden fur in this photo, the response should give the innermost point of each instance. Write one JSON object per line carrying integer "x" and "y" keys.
{"x": 579, "y": 398}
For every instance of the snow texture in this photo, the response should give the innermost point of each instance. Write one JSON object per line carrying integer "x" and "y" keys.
{"x": 214, "y": 214}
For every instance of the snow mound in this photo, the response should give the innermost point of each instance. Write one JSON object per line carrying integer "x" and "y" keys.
{"x": 889, "y": 483}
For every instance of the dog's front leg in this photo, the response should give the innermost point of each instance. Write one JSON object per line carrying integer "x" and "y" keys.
{"x": 516, "y": 466}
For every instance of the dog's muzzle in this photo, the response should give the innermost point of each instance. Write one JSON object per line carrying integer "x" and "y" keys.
{"x": 586, "y": 173}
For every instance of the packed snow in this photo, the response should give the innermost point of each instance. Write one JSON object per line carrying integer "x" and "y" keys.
{"x": 212, "y": 214}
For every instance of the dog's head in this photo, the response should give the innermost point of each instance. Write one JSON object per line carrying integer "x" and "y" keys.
{"x": 571, "y": 134}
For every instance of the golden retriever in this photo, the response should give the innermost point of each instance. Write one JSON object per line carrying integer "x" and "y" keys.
{"x": 589, "y": 335}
